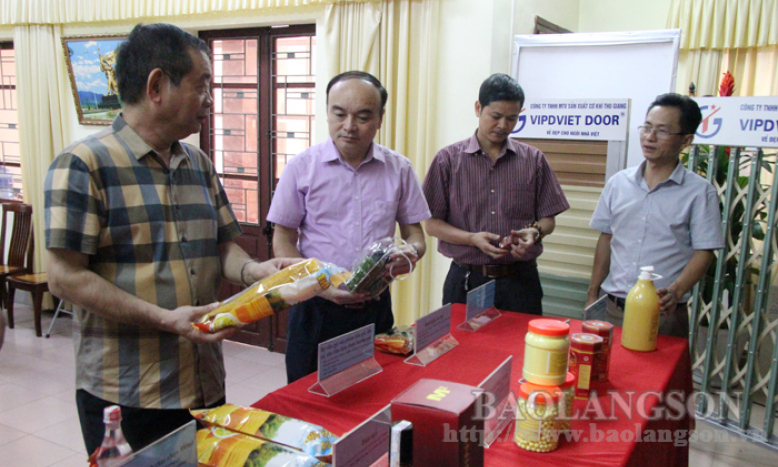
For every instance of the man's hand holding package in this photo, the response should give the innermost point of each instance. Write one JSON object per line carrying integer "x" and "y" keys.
{"x": 179, "y": 321}
{"x": 519, "y": 241}
{"x": 485, "y": 241}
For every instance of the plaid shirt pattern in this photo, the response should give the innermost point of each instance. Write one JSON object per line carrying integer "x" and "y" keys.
{"x": 154, "y": 233}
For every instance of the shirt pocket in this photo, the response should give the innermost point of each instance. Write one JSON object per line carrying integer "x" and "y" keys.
{"x": 381, "y": 219}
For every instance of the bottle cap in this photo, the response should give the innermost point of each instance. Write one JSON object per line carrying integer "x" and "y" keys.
{"x": 543, "y": 394}
{"x": 647, "y": 273}
{"x": 549, "y": 327}
{"x": 112, "y": 414}
{"x": 586, "y": 342}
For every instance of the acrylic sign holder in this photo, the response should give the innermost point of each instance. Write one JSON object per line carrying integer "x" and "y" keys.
{"x": 345, "y": 361}
{"x": 480, "y": 308}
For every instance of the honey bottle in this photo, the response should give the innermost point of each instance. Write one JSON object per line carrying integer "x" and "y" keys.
{"x": 641, "y": 313}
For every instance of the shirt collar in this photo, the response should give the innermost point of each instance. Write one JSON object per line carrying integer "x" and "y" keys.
{"x": 677, "y": 176}
{"x": 332, "y": 154}
{"x": 473, "y": 147}
{"x": 137, "y": 145}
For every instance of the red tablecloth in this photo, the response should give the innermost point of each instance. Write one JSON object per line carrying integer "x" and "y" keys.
{"x": 666, "y": 370}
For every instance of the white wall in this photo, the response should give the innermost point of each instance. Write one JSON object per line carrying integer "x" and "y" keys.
{"x": 564, "y": 13}
{"x": 622, "y": 15}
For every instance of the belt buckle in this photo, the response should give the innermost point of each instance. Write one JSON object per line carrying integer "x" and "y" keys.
{"x": 488, "y": 270}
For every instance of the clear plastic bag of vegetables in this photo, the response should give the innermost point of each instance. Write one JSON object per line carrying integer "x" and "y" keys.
{"x": 369, "y": 273}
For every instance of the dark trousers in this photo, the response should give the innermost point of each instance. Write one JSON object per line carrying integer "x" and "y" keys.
{"x": 520, "y": 291}
{"x": 141, "y": 427}
{"x": 318, "y": 320}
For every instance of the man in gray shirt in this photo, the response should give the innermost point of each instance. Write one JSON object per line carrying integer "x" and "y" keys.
{"x": 658, "y": 213}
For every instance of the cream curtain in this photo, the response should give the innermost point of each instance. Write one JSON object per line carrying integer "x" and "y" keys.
{"x": 739, "y": 36}
{"x": 755, "y": 70}
{"x": 42, "y": 93}
{"x": 86, "y": 11}
{"x": 725, "y": 24}
{"x": 399, "y": 46}
{"x": 701, "y": 67}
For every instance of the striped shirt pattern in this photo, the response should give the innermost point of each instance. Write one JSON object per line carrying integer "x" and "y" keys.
{"x": 468, "y": 190}
{"x": 154, "y": 233}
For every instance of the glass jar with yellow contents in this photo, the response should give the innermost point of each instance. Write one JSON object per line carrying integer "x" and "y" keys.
{"x": 537, "y": 428}
{"x": 545, "y": 352}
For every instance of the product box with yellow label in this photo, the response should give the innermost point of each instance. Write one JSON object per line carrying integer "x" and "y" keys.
{"x": 445, "y": 431}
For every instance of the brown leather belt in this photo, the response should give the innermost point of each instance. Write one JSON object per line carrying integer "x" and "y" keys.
{"x": 497, "y": 270}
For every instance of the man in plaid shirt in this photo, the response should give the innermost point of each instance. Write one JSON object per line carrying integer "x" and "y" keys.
{"x": 139, "y": 232}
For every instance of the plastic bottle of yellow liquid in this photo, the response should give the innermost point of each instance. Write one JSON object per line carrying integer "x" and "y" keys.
{"x": 641, "y": 313}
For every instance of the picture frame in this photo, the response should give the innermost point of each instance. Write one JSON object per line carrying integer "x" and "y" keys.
{"x": 91, "y": 61}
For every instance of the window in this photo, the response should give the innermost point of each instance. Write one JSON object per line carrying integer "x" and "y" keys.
{"x": 263, "y": 112}
{"x": 10, "y": 162}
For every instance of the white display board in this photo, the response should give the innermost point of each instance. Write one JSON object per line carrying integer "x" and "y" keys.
{"x": 630, "y": 65}
{"x": 586, "y": 119}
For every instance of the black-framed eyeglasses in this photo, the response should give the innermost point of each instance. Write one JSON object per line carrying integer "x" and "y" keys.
{"x": 660, "y": 133}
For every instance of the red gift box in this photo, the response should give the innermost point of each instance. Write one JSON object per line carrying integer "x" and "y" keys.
{"x": 445, "y": 431}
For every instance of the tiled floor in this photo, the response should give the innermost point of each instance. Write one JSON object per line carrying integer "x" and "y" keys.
{"x": 38, "y": 418}
{"x": 39, "y": 423}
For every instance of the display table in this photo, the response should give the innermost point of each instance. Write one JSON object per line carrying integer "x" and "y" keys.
{"x": 646, "y": 376}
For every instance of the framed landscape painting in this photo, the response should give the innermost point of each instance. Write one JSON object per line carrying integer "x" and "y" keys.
{"x": 91, "y": 61}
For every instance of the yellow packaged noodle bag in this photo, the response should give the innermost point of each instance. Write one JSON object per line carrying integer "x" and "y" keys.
{"x": 219, "y": 447}
{"x": 307, "y": 437}
{"x": 291, "y": 285}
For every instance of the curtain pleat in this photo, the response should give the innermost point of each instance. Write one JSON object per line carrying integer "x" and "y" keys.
{"x": 395, "y": 40}
{"x": 725, "y": 24}
{"x": 42, "y": 99}
{"x": 739, "y": 36}
{"x": 18, "y": 12}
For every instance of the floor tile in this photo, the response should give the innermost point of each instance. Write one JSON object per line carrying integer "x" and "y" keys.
{"x": 699, "y": 458}
{"x": 241, "y": 394}
{"x": 8, "y": 434}
{"x": 240, "y": 370}
{"x": 66, "y": 434}
{"x": 13, "y": 395}
{"x": 35, "y": 416}
{"x": 260, "y": 355}
{"x": 268, "y": 381}
{"x": 77, "y": 460}
{"x": 31, "y": 451}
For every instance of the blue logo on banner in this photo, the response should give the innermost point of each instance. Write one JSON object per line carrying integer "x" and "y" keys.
{"x": 706, "y": 128}
{"x": 520, "y": 124}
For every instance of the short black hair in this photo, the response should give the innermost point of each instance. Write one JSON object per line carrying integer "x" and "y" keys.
{"x": 500, "y": 87}
{"x": 364, "y": 77}
{"x": 690, "y": 111}
{"x": 151, "y": 46}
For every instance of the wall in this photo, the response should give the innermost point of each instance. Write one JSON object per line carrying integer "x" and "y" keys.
{"x": 564, "y": 13}
{"x": 622, "y": 15}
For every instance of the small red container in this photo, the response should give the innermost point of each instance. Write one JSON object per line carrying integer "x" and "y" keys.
{"x": 583, "y": 351}
{"x": 602, "y": 363}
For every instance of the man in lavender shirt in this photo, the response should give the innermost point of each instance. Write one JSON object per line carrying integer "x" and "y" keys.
{"x": 483, "y": 189}
{"x": 333, "y": 200}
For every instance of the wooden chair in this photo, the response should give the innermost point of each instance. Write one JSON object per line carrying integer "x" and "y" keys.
{"x": 35, "y": 283}
{"x": 21, "y": 236}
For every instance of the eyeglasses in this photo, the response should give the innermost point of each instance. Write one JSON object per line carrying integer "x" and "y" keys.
{"x": 660, "y": 133}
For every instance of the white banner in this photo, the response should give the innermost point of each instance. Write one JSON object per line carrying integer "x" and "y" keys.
{"x": 584, "y": 119}
{"x": 738, "y": 121}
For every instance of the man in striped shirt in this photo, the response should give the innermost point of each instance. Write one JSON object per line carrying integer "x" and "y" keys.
{"x": 482, "y": 189}
{"x": 139, "y": 232}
